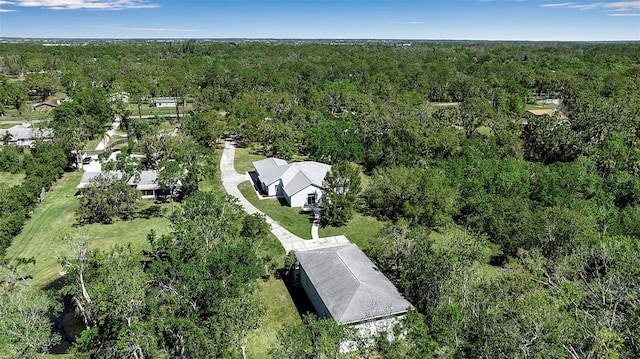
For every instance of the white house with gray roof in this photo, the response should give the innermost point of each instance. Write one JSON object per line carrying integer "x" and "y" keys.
{"x": 299, "y": 183}
{"x": 24, "y": 136}
{"x": 342, "y": 283}
{"x": 146, "y": 182}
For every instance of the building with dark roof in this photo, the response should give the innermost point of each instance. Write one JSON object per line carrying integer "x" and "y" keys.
{"x": 47, "y": 105}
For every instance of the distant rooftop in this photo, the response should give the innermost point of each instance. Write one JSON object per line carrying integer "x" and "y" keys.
{"x": 146, "y": 180}
{"x": 21, "y": 133}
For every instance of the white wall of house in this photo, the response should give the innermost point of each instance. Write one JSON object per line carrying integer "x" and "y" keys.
{"x": 300, "y": 199}
{"x": 313, "y": 296}
{"x": 165, "y": 104}
{"x": 270, "y": 190}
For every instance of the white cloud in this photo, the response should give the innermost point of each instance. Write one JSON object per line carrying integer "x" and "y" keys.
{"x": 6, "y": 10}
{"x": 635, "y": 14}
{"x": 611, "y": 6}
{"x": 6, "y": 2}
{"x": 87, "y": 4}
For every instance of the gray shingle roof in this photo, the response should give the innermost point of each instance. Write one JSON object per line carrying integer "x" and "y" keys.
{"x": 301, "y": 175}
{"x": 270, "y": 169}
{"x": 88, "y": 176}
{"x": 19, "y": 133}
{"x": 295, "y": 176}
{"x": 350, "y": 285}
{"x": 146, "y": 181}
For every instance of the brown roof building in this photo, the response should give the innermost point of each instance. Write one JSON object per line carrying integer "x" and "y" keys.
{"x": 47, "y": 105}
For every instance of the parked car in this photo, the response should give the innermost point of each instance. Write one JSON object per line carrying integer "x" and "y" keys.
{"x": 86, "y": 160}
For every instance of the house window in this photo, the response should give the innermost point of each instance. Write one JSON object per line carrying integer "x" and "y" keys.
{"x": 147, "y": 192}
{"x": 277, "y": 189}
{"x": 311, "y": 198}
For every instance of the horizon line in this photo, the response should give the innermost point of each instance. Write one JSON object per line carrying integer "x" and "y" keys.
{"x": 298, "y": 39}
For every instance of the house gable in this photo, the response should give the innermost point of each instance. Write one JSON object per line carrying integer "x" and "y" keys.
{"x": 270, "y": 169}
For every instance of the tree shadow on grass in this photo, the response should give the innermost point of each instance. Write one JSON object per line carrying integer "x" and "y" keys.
{"x": 155, "y": 211}
{"x": 296, "y": 292}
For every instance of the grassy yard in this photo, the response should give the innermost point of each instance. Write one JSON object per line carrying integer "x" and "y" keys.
{"x": 91, "y": 145}
{"x": 281, "y": 310}
{"x": 243, "y": 161}
{"x": 245, "y": 157}
{"x": 359, "y": 230}
{"x": 27, "y": 115}
{"x": 54, "y": 218}
{"x": 289, "y": 218}
{"x": 10, "y": 179}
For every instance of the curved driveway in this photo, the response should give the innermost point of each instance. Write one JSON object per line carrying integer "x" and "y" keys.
{"x": 231, "y": 179}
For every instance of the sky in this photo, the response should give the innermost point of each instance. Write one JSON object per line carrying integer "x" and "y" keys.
{"x": 532, "y": 20}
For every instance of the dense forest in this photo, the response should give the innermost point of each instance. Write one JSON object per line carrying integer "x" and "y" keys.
{"x": 512, "y": 234}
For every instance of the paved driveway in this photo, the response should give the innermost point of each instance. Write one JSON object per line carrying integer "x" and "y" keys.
{"x": 231, "y": 179}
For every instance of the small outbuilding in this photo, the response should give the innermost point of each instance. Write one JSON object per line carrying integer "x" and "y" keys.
{"x": 47, "y": 105}
{"x": 342, "y": 283}
{"x": 166, "y": 101}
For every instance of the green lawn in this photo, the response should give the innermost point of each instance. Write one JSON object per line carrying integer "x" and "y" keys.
{"x": 289, "y": 218}
{"x": 27, "y": 115}
{"x": 243, "y": 161}
{"x": 359, "y": 230}
{"x": 280, "y": 311}
{"x": 10, "y": 179}
{"x": 245, "y": 157}
{"x": 91, "y": 145}
{"x": 54, "y": 218}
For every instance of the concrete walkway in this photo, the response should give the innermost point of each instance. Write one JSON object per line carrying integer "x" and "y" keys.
{"x": 95, "y": 165}
{"x": 230, "y": 181}
{"x": 316, "y": 224}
